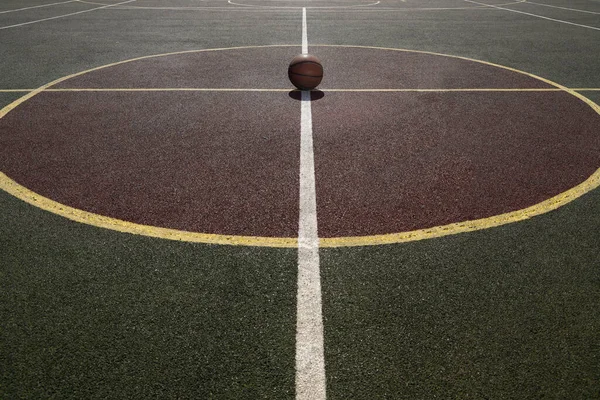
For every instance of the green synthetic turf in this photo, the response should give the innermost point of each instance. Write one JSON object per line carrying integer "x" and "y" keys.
{"x": 510, "y": 312}
{"x": 66, "y": 46}
{"x": 7, "y": 98}
{"x": 594, "y": 96}
{"x": 92, "y": 313}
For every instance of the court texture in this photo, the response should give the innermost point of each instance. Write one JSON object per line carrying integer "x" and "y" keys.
{"x": 177, "y": 221}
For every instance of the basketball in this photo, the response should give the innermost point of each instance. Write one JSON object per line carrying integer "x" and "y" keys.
{"x": 305, "y": 71}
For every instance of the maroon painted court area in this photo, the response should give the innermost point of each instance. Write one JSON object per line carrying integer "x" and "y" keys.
{"x": 266, "y": 68}
{"x": 393, "y": 162}
{"x": 257, "y": 68}
{"x": 195, "y": 162}
{"x": 228, "y": 162}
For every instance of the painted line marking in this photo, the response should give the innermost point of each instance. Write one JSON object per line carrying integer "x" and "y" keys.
{"x": 408, "y": 90}
{"x": 310, "y": 359}
{"x": 469, "y": 226}
{"x": 297, "y": 7}
{"x": 204, "y": 8}
{"x": 310, "y": 353}
{"x": 167, "y": 90}
{"x": 21, "y": 192}
{"x": 63, "y": 16}
{"x": 563, "y": 8}
{"x": 215, "y": 8}
{"x": 535, "y": 15}
{"x": 454, "y": 90}
{"x": 380, "y": 9}
{"x": 43, "y": 5}
{"x": 304, "y": 33}
{"x": 354, "y": 8}
{"x": 101, "y": 221}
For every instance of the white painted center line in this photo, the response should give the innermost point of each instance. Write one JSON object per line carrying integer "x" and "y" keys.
{"x": 64, "y": 15}
{"x": 310, "y": 359}
{"x": 304, "y": 33}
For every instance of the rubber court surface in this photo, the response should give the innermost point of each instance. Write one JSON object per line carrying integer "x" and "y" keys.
{"x": 179, "y": 222}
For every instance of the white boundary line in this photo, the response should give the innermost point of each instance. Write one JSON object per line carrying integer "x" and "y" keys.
{"x": 352, "y": 6}
{"x": 535, "y": 15}
{"x": 65, "y": 15}
{"x": 43, "y": 5}
{"x": 310, "y": 357}
{"x": 410, "y": 9}
{"x": 563, "y": 8}
{"x": 199, "y": 8}
{"x": 355, "y": 8}
{"x": 304, "y": 33}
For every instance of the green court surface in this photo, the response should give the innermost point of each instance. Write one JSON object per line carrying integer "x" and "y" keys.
{"x": 119, "y": 316}
{"x": 169, "y": 228}
{"x": 510, "y": 313}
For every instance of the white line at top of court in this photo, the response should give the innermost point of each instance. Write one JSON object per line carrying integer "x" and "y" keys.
{"x": 563, "y": 8}
{"x": 64, "y": 15}
{"x": 310, "y": 357}
{"x": 535, "y": 15}
{"x": 40, "y": 6}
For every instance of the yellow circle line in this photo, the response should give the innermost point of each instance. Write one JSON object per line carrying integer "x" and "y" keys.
{"x": 101, "y": 221}
{"x": 21, "y": 100}
{"x": 467, "y": 226}
{"x": 21, "y": 192}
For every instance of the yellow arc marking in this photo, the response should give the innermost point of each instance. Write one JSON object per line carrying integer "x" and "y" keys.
{"x": 101, "y": 221}
{"x": 21, "y": 192}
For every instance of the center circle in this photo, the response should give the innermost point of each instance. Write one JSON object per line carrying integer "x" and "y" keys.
{"x": 208, "y": 142}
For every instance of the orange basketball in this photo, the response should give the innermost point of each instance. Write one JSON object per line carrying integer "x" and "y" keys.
{"x": 305, "y": 71}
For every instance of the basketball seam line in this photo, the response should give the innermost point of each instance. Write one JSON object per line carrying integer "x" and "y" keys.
{"x": 305, "y": 62}
{"x": 309, "y": 76}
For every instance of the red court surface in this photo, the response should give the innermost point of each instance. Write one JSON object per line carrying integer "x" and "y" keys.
{"x": 178, "y": 160}
{"x": 226, "y": 162}
{"x": 395, "y": 162}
